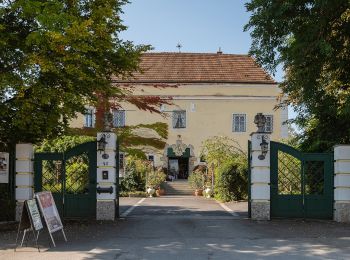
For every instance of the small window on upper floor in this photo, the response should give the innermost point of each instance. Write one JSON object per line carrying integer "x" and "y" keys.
{"x": 119, "y": 118}
{"x": 269, "y": 123}
{"x": 179, "y": 119}
{"x": 89, "y": 118}
{"x": 239, "y": 123}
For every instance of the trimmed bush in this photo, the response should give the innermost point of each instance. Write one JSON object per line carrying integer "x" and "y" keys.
{"x": 231, "y": 181}
{"x": 136, "y": 171}
{"x": 196, "y": 180}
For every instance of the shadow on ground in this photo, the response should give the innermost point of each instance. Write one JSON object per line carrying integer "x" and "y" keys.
{"x": 179, "y": 233}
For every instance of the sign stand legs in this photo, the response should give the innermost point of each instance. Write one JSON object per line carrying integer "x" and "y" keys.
{"x": 53, "y": 241}
{"x": 64, "y": 235}
{"x": 35, "y": 237}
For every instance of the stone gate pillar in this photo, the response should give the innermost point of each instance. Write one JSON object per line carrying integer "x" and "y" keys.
{"x": 24, "y": 175}
{"x": 106, "y": 178}
{"x": 342, "y": 183}
{"x": 260, "y": 177}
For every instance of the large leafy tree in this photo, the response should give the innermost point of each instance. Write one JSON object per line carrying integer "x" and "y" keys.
{"x": 56, "y": 56}
{"x": 311, "y": 39}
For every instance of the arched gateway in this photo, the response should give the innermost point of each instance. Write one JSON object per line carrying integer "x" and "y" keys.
{"x": 179, "y": 159}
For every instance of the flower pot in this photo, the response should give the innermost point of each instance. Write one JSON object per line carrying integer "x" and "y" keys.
{"x": 198, "y": 192}
{"x": 208, "y": 192}
{"x": 150, "y": 192}
{"x": 160, "y": 192}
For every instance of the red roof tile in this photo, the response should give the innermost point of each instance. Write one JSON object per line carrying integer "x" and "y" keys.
{"x": 167, "y": 67}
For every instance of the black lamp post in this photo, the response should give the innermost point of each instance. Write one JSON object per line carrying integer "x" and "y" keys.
{"x": 101, "y": 144}
{"x": 264, "y": 148}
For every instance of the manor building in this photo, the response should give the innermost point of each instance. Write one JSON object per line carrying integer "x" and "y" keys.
{"x": 215, "y": 94}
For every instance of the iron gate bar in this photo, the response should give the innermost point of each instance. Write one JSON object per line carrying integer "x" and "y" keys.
{"x": 302, "y": 205}
{"x": 70, "y": 205}
{"x": 249, "y": 178}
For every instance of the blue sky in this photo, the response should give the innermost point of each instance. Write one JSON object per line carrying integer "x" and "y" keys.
{"x": 199, "y": 25}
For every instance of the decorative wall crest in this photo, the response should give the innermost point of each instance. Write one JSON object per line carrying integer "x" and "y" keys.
{"x": 179, "y": 148}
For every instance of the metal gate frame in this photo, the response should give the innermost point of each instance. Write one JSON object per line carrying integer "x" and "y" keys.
{"x": 249, "y": 178}
{"x": 304, "y": 205}
{"x": 71, "y": 205}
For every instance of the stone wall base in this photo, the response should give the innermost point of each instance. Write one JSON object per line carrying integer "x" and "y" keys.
{"x": 342, "y": 211}
{"x": 105, "y": 210}
{"x": 19, "y": 208}
{"x": 260, "y": 210}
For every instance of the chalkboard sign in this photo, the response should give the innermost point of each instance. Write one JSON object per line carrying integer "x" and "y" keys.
{"x": 30, "y": 221}
{"x": 34, "y": 214}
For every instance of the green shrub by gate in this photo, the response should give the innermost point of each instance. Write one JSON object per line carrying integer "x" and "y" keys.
{"x": 71, "y": 177}
{"x": 301, "y": 183}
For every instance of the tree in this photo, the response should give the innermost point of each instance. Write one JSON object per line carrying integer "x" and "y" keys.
{"x": 230, "y": 167}
{"x": 311, "y": 39}
{"x": 58, "y": 56}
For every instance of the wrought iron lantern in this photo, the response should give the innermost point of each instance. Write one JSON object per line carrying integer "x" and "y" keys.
{"x": 264, "y": 148}
{"x": 101, "y": 144}
{"x": 260, "y": 121}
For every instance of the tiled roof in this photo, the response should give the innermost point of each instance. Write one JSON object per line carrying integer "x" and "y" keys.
{"x": 168, "y": 67}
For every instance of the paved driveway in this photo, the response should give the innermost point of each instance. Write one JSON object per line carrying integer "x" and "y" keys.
{"x": 191, "y": 228}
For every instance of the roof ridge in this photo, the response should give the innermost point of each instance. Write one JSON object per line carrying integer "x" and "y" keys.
{"x": 196, "y": 53}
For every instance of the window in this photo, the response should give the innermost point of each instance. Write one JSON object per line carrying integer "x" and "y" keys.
{"x": 179, "y": 119}
{"x": 89, "y": 118}
{"x": 269, "y": 123}
{"x": 151, "y": 159}
{"x": 119, "y": 118}
{"x": 239, "y": 123}
{"x": 121, "y": 161}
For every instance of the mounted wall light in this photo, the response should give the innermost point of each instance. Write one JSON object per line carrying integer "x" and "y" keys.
{"x": 101, "y": 144}
{"x": 264, "y": 148}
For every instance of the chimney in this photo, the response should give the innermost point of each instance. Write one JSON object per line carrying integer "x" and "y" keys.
{"x": 219, "y": 51}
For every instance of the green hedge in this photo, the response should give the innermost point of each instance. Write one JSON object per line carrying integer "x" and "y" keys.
{"x": 231, "y": 182}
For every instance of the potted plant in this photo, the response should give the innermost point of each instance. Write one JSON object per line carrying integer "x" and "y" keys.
{"x": 160, "y": 191}
{"x": 154, "y": 181}
{"x": 196, "y": 181}
{"x": 208, "y": 192}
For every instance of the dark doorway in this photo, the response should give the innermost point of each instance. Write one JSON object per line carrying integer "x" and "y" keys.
{"x": 178, "y": 167}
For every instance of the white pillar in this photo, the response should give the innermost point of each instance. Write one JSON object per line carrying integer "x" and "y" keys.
{"x": 106, "y": 178}
{"x": 342, "y": 183}
{"x": 24, "y": 175}
{"x": 260, "y": 178}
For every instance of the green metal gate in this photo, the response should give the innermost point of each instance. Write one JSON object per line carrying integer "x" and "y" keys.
{"x": 301, "y": 183}
{"x": 249, "y": 178}
{"x": 71, "y": 177}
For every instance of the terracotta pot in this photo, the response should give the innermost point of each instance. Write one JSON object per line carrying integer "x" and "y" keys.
{"x": 198, "y": 192}
{"x": 160, "y": 192}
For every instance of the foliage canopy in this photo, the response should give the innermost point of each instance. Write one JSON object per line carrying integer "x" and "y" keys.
{"x": 230, "y": 165}
{"x": 311, "y": 39}
{"x": 55, "y": 58}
